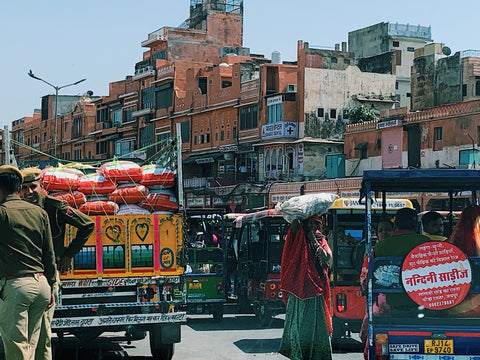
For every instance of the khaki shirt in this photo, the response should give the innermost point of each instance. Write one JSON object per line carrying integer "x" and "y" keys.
{"x": 26, "y": 243}
{"x": 60, "y": 214}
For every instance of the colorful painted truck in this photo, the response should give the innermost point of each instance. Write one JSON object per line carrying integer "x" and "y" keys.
{"x": 129, "y": 277}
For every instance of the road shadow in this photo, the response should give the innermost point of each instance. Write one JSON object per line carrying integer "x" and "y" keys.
{"x": 256, "y": 346}
{"x": 348, "y": 345}
{"x": 235, "y": 322}
{"x": 103, "y": 348}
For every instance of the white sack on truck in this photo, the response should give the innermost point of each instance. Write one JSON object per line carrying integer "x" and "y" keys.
{"x": 303, "y": 206}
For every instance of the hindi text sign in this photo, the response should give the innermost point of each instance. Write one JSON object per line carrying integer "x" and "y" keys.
{"x": 436, "y": 275}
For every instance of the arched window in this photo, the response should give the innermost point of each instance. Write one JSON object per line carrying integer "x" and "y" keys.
{"x": 290, "y": 163}
{"x": 267, "y": 162}
{"x": 274, "y": 159}
{"x": 280, "y": 161}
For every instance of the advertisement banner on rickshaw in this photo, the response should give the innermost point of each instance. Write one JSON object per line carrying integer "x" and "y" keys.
{"x": 436, "y": 275}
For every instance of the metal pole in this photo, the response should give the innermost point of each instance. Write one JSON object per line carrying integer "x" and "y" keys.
{"x": 181, "y": 204}
{"x": 57, "y": 88}
{"x": 55, "y": 123}
{"x": 6, "y": 144}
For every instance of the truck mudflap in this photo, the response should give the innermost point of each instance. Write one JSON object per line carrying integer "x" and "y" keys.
{"x": 119, "y": 320}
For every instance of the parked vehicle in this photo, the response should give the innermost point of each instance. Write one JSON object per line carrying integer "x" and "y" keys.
{"x": 437, "y": 276}
{"x": 231, "y": 255}
{"x": 205, "y": 277}
{"x": 128, "y": 277}
{"x": 346, "y": 234}
{"x": 259, "y": 238}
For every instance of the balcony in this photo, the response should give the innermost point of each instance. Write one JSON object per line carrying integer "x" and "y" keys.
{"x": 144, "y": 72}
{"x": 157, "y": 35}
{"x": 195, "y": 183}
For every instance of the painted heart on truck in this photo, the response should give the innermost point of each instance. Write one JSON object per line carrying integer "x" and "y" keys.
{"x": 113, "y": 232}
{"x": 142, "y": 230}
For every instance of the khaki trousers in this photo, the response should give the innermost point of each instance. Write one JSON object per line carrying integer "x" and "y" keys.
{"x": 24, "y": 302}
{"x": 44, "y": 345}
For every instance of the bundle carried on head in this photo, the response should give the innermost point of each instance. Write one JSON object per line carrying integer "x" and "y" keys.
{"x": 304, "y": 206}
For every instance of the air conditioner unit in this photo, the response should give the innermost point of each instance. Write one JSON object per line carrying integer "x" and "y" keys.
{"x": 291, "y": 88}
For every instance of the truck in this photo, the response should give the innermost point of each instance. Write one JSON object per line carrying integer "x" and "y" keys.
{"x": 129, "y": 276}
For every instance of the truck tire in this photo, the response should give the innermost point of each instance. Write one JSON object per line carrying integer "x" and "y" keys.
{"x": 162, "y": 351}
{"x": 162, "y": 347}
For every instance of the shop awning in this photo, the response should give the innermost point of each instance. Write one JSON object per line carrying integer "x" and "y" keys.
{"x": 202, "y": 159}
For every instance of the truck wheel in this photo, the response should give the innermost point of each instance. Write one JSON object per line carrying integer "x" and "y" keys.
{"x": 162, "y": 351}
{"x": 218, "y": 313}
{"x": 159, "y": 350}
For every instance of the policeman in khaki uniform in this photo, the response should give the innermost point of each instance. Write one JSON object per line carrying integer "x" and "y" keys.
{"x": 60, "y": 214}
{"x": 27, "y": 268}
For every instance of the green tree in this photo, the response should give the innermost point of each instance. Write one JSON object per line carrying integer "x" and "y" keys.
{"x": 361, "y": 114}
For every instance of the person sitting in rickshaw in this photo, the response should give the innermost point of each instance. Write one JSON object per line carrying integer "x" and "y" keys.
{"x": 404, "y": 238}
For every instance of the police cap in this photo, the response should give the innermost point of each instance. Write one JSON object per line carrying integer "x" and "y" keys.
{"x": 31, "y": 174}
{"x": 11, "y": 169}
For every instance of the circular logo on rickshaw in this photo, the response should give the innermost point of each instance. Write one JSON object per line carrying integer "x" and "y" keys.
{"x": 436, "y": 275}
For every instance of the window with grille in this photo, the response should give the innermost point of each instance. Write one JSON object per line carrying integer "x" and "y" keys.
{"x": 438, "y": 133}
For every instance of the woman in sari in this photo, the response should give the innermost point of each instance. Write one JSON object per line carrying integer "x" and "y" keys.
{"x": 306, "y": 292}
{"x": 466, "y": 236}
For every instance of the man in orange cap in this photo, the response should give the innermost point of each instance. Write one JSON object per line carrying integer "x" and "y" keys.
{"x": 60, "y": 214}
{"x": 27, "y": 267}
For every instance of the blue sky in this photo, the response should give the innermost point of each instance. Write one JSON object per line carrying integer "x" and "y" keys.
{"x": 64, "y": 41}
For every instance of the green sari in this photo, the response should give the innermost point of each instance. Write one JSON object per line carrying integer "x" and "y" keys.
{"x": 305, "y": 334}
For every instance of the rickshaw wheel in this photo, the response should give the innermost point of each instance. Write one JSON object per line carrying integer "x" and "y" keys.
{"x": 264, "y": 314}
{"x": 218, "y": 313}
{"x": 336, "y": 336}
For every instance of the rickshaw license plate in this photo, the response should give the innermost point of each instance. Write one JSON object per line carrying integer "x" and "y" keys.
{"x": 195, "y": 286}
{"x": 439, "y": 346}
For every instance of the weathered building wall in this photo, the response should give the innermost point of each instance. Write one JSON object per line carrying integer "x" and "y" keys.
{"x": 383, "y": 63}
{"x": 369, "y": 41}
{"x": 448, "y": 87}
{"x": 385, "y": 37}
{"x": 423, "y": 83}
{"x": 334, "y": 90}
{"x": 471, "y": 78}
{"x": 314, "y": 159}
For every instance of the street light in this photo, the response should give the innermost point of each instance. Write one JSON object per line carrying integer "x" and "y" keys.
{"x": 57, "y": 88}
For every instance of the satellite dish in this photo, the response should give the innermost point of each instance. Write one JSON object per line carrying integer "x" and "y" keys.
{"x": 446, "y": 51}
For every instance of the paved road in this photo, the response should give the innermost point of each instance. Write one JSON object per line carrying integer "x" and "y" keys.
{"x": 237, "y": 337}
